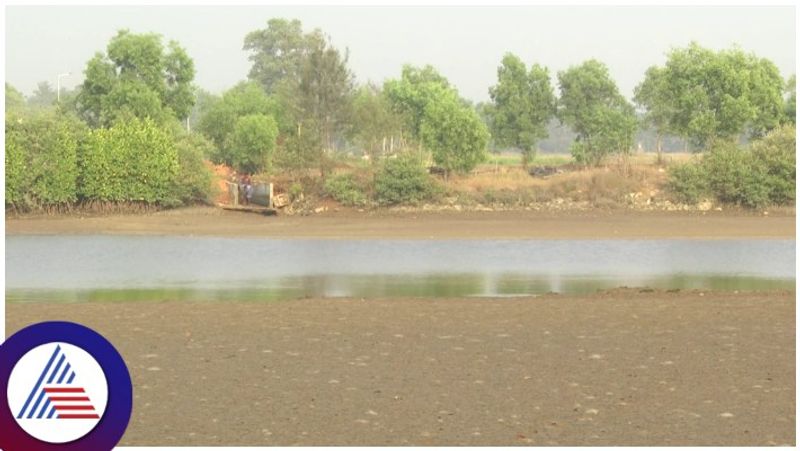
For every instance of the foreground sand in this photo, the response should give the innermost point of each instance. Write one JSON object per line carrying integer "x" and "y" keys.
{"x": 593, "y": 224}
{"x": 621, "y": 367}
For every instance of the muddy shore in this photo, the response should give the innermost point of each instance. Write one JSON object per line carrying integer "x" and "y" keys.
{"x": 622, "y": 367}
{"x": 597, "y": 224}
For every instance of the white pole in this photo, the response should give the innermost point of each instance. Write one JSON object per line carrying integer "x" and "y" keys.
{"x": 58, "y": 84}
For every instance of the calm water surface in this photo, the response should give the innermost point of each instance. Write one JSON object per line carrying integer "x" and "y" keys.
{"x": 107, "y": 268}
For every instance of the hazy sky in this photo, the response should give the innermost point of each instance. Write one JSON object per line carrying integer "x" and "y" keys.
{"x": 465, "y": 43}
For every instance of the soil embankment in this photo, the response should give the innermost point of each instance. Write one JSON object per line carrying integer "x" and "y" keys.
{"x": 595, "y": 224}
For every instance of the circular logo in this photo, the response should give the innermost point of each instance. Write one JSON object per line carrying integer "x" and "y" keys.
{"x": 66, "y": 388}
{"x": 71, "y": 386}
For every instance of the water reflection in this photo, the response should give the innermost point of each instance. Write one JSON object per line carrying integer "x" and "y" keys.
{"x": 392, "y": 286}
{"x": 109, "y": 268}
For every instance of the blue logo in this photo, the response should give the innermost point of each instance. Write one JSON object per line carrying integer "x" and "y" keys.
{"x": 67, "y": 388}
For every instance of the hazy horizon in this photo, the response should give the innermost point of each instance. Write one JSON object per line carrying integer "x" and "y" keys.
{"x": 465, "y": 43}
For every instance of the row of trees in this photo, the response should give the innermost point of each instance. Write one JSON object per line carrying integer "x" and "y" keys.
{"x": 116, "y": 140}
{"x": 300, "y": 104}
{"x": 699, "y": 95}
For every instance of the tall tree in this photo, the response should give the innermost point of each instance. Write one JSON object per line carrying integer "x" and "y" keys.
{"x": 43, "y": 96}
{"x": 716, "y": 95}
{"x": 592, "y": 106}
{"x": 373, "y": 122}
{"x": 277, "y": 52}
{"x": 653, "y": 94}
{"x": 324, "y": 92}
{"x": 523, "y": 104}
{"x": 137, "y": 78}
{"x": 411, "y": 94}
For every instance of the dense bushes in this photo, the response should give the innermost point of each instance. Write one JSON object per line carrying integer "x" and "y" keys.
{"x": 688, "y": 182}
{"x": 403, "y": 180}
{"x": 754, "y": 177}
{"x": 53, "y": 160}
{"x": 195, "y": 181}
{"x": 776, "y": 152}
{"x": 41, "y": 154}
{"x": 346, "y": 190}
{"x": 134, "y": 161}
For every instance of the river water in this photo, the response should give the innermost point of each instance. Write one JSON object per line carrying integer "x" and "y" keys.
{"x": 108, "y": 268}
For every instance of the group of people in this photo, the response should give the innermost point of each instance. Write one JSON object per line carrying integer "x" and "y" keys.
{"x": 245, "y": 185}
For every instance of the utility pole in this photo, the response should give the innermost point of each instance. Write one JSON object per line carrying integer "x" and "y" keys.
{"x": 58, "y": 84}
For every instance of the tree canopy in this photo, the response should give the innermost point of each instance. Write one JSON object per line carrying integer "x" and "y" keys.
{"x": 221, "y": 121}
{"x": 137, "y": 77}
{"x": 592, "y": 106}
{"x": 410, "y": 95}
{"x": 43, "y": 96}
{"x": 522, "y": 105}
{"x": 454, "y": 134}
{"x": 700, "y": 94}
{"x": 278, "y": 52}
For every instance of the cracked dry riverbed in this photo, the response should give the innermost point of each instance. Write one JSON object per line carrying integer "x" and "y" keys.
{"x": 621, "y": 367}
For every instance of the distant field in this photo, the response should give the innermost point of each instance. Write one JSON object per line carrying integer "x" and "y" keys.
{"x": 550, "y": 159}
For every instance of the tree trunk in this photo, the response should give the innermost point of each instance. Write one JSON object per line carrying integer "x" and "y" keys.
{"x": 660, "y": 159}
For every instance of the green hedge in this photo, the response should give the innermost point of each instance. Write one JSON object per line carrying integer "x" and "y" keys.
{"x": 41, "y": 159}
{"x": 133, "y": 161}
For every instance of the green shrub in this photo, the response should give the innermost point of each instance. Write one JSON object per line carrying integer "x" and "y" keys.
{"x": 134, "y": 161}
{"x": 776, "y": 152}
{"x": 249, "y": 147}
{"x": 295, "y": 191}
{"x": 735, "y": 176}
{"x": 194, "y": 182}
{"x": 41, "y": 159}
{"x": 15, "y": 167}
{"x": 346, "y": 190}
{"x": 688, "y": 182}
{"x": 403, "y": 180}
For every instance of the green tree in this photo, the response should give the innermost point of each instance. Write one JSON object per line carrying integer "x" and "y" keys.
{"x": 653, "y": 94}
{"x": 592, "y": 106}
{"x": 454, "y": 134}
{"x": 791, "y": 100}
{"x": 523, "y": 104}
{"x": 44, "y": 95}
{"x": 138, "y": 78}
{"x": 707, "y": 95}
{"x": 409, "y": 96}
{"x": 15, "y": 101}
{"x": 324, "y": 92}
{"x": 373, "y": 122}
{"x": 221, "y": 114}
{"x": 277, "y": 52}
{"x": 252, "y": 142}
{"x": 204, "y": 101}
{"x": 219, "y": 121}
